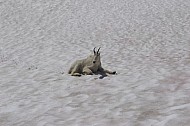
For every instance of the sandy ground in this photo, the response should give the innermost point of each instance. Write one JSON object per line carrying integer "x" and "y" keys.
{"x": 146, "y": 41}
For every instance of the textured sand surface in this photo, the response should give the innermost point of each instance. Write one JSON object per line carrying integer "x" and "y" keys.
{"x": 146, "y": 41}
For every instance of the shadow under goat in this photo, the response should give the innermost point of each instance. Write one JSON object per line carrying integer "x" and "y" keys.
{"x": 89, "y": 66}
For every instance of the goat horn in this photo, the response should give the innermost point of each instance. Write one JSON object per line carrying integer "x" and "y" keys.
{"x": 94, "y": 50}
{"x": 98, "y": 50}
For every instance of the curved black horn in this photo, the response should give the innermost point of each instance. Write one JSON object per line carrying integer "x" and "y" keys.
{"x": 98, "y": 50}
{"x": 94, "y": 50}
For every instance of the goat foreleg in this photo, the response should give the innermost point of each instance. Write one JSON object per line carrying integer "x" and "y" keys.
{"x": 106, "y": 71}
{"x": 87, "y": 71}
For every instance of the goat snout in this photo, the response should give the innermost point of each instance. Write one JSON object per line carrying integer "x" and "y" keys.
{"x": 94, "y": 61}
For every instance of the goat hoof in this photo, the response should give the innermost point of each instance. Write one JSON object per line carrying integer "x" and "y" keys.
{"x": 114, "y": 72}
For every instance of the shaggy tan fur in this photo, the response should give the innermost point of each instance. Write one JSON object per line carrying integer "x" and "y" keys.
{"x": 88, "y": 66}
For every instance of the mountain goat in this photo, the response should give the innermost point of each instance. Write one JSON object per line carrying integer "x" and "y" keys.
{"x": 90, "y": 65}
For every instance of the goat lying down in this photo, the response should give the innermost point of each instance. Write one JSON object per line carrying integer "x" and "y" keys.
{"x": 90, "y": 65}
